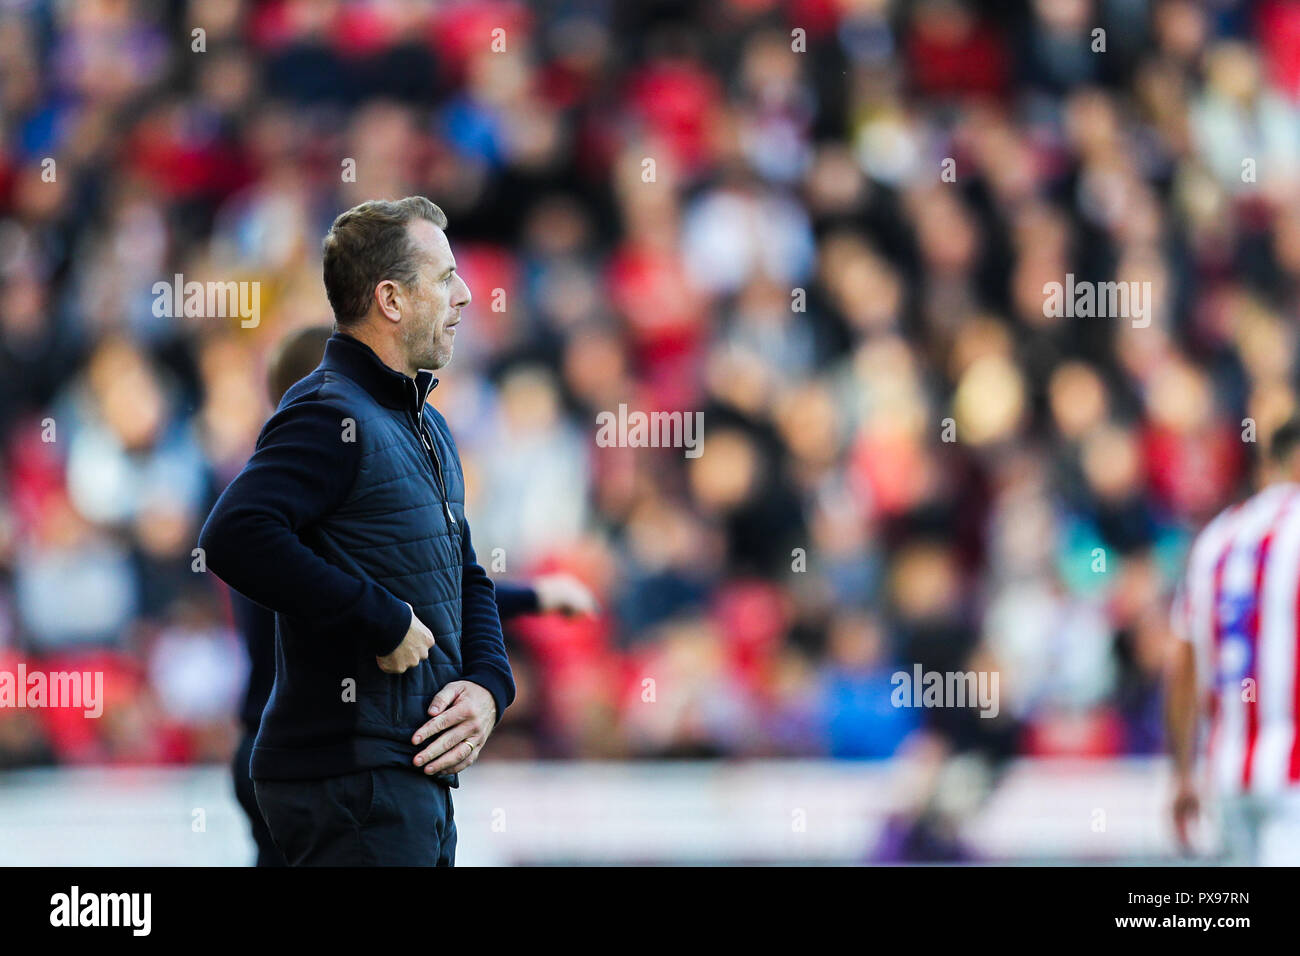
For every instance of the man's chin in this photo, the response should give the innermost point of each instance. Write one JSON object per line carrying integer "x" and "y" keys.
{"x": 438, "y": 360}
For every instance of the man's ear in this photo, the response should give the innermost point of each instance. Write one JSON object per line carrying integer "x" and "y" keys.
{"x": 387, "y": 297}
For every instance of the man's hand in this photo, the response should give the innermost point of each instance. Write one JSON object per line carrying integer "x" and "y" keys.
{"x": 1185, "y": 808}
{"x": 464, "y": 714}
{"x": 414, "y": 648}
{"x": 563, "y": 594}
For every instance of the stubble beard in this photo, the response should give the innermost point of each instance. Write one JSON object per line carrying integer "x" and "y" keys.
{"x": 424, "y": 352}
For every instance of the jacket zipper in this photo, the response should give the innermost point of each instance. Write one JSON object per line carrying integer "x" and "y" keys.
{"x": 429, "y": 447}
{"x": 437, "y": 461}
{"x": 418, "y": 422}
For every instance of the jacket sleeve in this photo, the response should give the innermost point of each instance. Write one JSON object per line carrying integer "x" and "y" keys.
{"x": 301, "y": 470}
{"x": 483, "y": 649}
{"x": 515, "y": 599}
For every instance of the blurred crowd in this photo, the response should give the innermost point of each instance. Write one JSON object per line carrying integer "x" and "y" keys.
{"x": 827, "y": 224}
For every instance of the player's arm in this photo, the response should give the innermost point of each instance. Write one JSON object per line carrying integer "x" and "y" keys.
{"x": 547, "y": 594}
{"x": 1181, "y": 711}
{"x": 514, "y": 600}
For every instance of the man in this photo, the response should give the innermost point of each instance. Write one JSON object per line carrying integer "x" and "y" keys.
{"x": 349, "y": 522}
{"x": 1235, "y": 615}
{"x": 295, "y": 358}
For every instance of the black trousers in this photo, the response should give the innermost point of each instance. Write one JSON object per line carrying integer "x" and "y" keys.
{"x": 389, "y": 816}
{"x": 268, "y": 854}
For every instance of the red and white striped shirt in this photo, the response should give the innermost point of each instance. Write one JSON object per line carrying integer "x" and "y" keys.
{"x": 1239, "y": 605}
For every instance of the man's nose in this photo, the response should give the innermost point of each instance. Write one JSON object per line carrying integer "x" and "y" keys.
{"x": 464, "y": 298}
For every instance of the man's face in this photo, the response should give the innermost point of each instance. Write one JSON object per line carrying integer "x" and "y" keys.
{"x": 434, "y": 299}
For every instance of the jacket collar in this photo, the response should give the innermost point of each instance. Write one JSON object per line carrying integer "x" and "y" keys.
{"x": 389, "y": 387}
